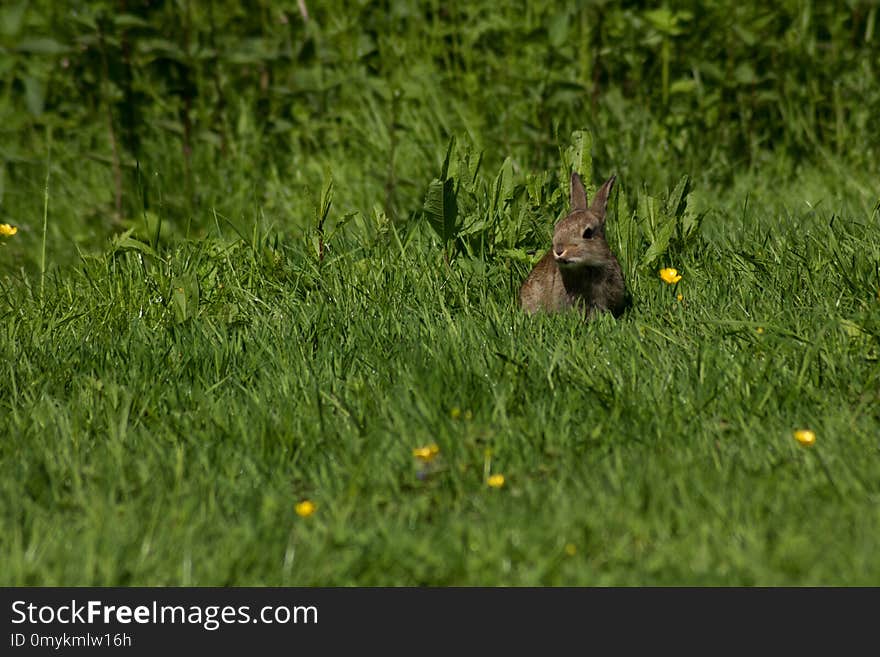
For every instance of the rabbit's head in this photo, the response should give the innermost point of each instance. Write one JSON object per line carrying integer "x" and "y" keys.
{"x": 579, "y": 238}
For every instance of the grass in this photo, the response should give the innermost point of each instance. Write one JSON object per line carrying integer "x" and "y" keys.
{"x": 162, "y": 412}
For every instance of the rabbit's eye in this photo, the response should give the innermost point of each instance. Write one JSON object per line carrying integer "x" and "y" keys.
{"x": 588, "y": 233}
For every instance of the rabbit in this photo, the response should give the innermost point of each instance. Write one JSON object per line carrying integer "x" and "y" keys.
{"x": 579, "y": 270}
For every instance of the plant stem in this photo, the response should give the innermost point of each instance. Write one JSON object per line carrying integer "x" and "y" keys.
{"x": 45, "y": 213}
{"x": 117, "y": 167}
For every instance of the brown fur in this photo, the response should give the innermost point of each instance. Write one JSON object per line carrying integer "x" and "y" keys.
{"x": 579, "y": 270}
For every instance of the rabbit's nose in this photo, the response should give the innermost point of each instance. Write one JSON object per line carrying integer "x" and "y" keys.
{"x": 559, "y": 251}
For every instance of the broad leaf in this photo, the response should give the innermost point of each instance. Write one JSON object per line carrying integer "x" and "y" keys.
{"x": 185, "y": 296}
{"x": 441, "y": 208}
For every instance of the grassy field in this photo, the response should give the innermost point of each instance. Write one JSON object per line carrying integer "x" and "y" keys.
{"x": 185, "y": 365}
{"x": 164, "y": 414}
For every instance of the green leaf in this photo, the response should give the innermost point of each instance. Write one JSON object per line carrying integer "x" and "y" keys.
{"x": 11, "y": 19}
{"x": 647, "y": 214}
{"x": 579, "y": 156}
{"x": 477, "y": 226}
{"x": 41, "y": 46}
{"x": 745, "y": 74}
{"x": 441, "y": 208}
{"x": 159, "y": 48}
{"x": 558, "y": 29}
{"x": 322, "y": 211}
{"x": 125, "y": 242}
{"x": 677, "y": 201}
{"x": 129, "y": 20}
{"x": 667, "y": 21}
{"x": 624, "y": 230}
{"x": 519, "y": 255}
{"x": 503, "y": 188}
{"x": 34, "y": 95}
{"x": 683, "y": 86}
{"x": 441, "y": 202}
{"x": 660, "y": 243}
{"x": 185, "y": 296}
{"x": 445, "y": 168}
{"x": 691, "y": 221}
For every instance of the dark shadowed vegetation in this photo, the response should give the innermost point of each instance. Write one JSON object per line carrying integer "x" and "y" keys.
{"x": 259, "y": 253}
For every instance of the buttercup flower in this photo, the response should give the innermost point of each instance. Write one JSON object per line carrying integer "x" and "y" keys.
{"x": 427, "y": 453}
{"x": 670, "y": 275}
{"x": 805, "y": 437}
{"x": 305, "y": 508}
{"x": 495, "y": 481}
{"x": 8, "y": 231}
{"x": 680, "y": 296}
{"x": 571, "y": 549}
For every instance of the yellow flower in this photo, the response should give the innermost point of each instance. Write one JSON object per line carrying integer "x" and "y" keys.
{"x": 455, "y": 413}
{"x": 670, "y": 275}
{"x": 805, "y": 437}
{"x": 571, "y": 549}
{"x": 427, "y": 453}
{"x": 305, "y": 508}
{"x": 759, "y": 330}
{"x": 680, "y": 296}
{"x": 495, "y": 481}
{"x": 7, "y": 231}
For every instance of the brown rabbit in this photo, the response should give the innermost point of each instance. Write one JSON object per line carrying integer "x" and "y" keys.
{"x": 579, "y": 270}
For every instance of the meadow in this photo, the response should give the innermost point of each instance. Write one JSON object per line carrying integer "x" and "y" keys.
{"x": 258, "y": 258}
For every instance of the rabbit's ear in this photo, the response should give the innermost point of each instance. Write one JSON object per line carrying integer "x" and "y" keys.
{"x": 578, "y": 194}
{"x": 600, "y": 200}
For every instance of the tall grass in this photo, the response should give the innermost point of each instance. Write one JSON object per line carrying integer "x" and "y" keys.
{"x": 162, "y": 104}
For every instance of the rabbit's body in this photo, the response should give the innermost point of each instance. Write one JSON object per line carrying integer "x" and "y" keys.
{"x": 579, "y": 270}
